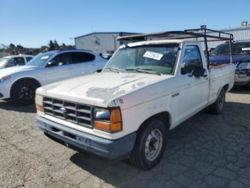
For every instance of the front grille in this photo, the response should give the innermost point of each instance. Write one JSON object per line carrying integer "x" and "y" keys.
{"x": 69, "y": 111}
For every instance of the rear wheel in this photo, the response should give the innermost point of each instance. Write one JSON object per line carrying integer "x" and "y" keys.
{"x": 217, "y": 107}
{"x": 150, "y": 145}
{"x": 23, "y": 92}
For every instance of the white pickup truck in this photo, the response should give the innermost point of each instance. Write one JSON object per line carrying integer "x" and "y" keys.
{"x": 146, "y": 88}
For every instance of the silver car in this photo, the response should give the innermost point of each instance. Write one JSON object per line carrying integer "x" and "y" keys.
{"x": 14, "y": 60}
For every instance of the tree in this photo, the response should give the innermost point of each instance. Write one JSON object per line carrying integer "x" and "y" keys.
{"x": 12, "y": 49}
{"x": 20, "y": 49}
{"x": 17, "y": 49}
{"x": 51, "y": 45}
{"x": 12, "y": 46}
{"x": 57, "y": 47}
{"x": 63, "y": 46}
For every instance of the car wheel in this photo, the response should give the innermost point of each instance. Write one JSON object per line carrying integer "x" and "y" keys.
{"x": 23, "y": 93}
{"x": 217, "y": 107}
{"x": 150, "y": 145}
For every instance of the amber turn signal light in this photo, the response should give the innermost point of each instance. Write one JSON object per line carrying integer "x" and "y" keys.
{"x": 39, "y": 108}
{"x": 115, "y": 123}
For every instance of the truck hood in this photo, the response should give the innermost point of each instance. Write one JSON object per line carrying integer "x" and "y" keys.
{"x": 100, "y": 89}
{"x": 18, "y": 69}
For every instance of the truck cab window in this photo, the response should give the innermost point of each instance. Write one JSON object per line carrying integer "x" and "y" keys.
{"x": 191, "y": 59}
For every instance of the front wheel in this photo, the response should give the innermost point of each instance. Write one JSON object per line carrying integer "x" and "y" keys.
{"x": 23, "y": 93}
{"x": 150, "y": 145}
{"x": 218, "y": 105}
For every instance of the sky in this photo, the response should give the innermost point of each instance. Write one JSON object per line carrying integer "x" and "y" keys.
{"x": 33, "y": 23}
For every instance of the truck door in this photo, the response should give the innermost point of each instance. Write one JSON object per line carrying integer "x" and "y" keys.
{"x": 191, "y": 92}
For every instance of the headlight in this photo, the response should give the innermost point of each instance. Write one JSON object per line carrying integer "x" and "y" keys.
{"x": 4, "y": 78}
{"x": 244, "y": 65}
{"x": 102, "y": 114}
{"x": 39, "y": 103}
{"x": 109, "y": 120}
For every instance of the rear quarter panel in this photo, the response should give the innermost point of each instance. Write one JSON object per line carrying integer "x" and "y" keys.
{"x": 220, "y": 76}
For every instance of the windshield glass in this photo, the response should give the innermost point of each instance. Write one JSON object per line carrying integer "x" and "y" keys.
{"x": 40, "y": 59}
{"x": 3, "y": 61}
{"x": 237, "y": 49}
{"x": 152, "y": 59}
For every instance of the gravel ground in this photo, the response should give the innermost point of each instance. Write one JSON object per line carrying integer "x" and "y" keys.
{"x": 205, "y": 151}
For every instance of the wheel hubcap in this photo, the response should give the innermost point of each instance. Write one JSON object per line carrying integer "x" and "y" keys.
{"x": 25, "y": 93}
{"x": 153, "y": 144}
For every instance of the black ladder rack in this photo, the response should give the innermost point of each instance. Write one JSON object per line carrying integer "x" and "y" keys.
{"x": 203, "y": 34}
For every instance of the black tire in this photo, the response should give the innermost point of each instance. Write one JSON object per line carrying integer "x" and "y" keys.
{"x": 138, "y": 156}
{"x": 217, "y": 106}
{"x": 23, "y": 93}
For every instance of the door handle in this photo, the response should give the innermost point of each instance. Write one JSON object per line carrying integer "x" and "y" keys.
{"x": 175, "y": 95}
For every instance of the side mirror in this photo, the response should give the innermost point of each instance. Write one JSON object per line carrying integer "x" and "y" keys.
{"x": 50, "y": 63}
{"x": 186, "y": 69}
{"x": 99, "y": 70}
{"x": 54, "y": 63}
{"x": 199, "y": 71}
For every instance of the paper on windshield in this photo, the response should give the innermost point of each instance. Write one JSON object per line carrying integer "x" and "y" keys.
{"x": 153, "y": 55}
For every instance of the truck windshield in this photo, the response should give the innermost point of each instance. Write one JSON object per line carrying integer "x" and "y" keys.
{"x": 242, "y": 48}
{"x": 152, "y": 59}
{"x": 41, "y": 59}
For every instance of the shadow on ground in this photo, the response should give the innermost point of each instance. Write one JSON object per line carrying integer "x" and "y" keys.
{"x": 206, "y": 150}
{"x": 10, "y": 106}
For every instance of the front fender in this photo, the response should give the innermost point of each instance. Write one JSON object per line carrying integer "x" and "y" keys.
{"x": 134, "y": 117}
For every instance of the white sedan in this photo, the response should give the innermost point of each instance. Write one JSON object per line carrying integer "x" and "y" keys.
{"x": 19, "y": 83}
{"x": 14, "y": 60}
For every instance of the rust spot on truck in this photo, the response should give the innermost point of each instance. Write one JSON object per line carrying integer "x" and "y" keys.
{"x": 104, "y": 93}
{"x": 139, "y": 84}
{"x": 128, "y": 76}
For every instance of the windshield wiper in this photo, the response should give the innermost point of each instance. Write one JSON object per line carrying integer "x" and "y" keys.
{"x": 113, "y": 69}
{"x": 143, "y": 70}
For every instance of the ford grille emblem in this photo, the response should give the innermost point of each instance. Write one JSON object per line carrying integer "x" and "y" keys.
{"x": 63, "y": 110}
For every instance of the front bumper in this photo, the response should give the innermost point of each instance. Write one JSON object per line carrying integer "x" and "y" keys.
{"x": 4, "y": 91}
{"x": 242, "y": 77}
{"x": 110, "y": 149}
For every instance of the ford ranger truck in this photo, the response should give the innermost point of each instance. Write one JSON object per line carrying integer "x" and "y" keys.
{"x": 146, "y": 89}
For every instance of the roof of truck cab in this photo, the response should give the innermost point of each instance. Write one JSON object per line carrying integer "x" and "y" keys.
{"x": 141, "y": 43}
